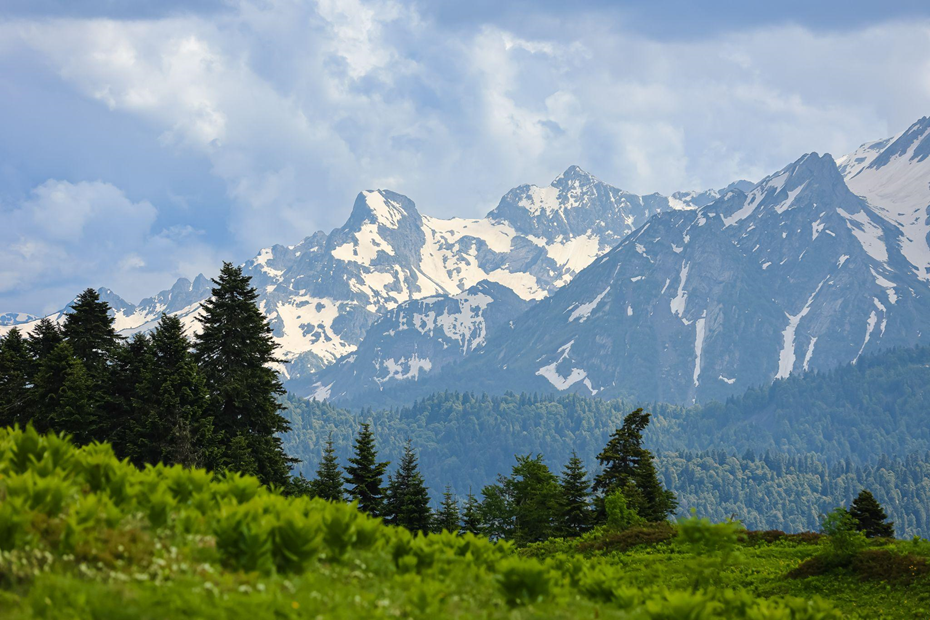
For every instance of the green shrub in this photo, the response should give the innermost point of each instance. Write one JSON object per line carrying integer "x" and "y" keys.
{"x": 83, "y": 534}
{"x": 620, "y": 515}
{"x": 606, "y": 540}
{"x": 843, "y": 540}
{"x": 522, "y": 581}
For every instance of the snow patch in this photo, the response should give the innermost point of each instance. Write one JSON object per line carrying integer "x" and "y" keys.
{"x": 868, "y": 233}
{"x": 550, "y": 373}
{"x": 786, "y": 358}
{"x": 583, "y": 311}
{"x": 698, "y": 347}
{"x": 677, "y": 304}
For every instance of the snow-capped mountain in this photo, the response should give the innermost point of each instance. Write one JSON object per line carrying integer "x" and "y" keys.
{"x": 797, "y": 274}
{"x": 182, "y": 300}
{"x": 16, "y": 318}
{"x": 894, "y": 176}
{"x": 322, "y": 294}
{"x": 417, "y": 338}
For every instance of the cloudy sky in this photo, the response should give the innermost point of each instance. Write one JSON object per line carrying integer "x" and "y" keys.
{"x": 144, "y": 140}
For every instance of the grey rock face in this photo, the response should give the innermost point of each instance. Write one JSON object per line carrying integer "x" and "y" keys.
{"x": 797, "y": 274}
{"x": 323, "y": 294}
{"x": 417, "y": 338}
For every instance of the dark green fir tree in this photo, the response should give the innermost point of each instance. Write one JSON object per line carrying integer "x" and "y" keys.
{"x": 870, "y": 516}
{"x": 328, "y": 483}
{"x": 365, "y": 474}
{"x": 234, "y": 351}
{"x": 407, "y": 501}
{"x": 45, "y": 336}
{"x": 624, "y": 461}
{"x": 238, "y": 456}
{"x": 471, "y": 515}
{"x": 179, "y": 423}
{"x": 88, "y": 328}
{"x": 577, "y": 515}
{"x": 15, "y": 382}
{"x": 131, "y": 401}
{"x": 63, "y": 393}
{"x": 448, "y": 517}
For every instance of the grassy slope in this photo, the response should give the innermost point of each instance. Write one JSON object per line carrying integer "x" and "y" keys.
{"x": 763, "y": 569}
{"x": 85, "y": 536}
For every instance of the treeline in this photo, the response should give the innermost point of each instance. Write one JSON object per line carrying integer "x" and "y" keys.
{"x": 531, "y": 504}
{"x": 791, "y": 493}
{"x": 160, "y": 397}
{"x": 462, "y": 440}
{"x": 465, "y": 440}
{"x": 877, "y": 406}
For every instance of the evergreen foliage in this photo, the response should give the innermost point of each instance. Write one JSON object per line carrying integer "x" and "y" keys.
{"x": 64, "y": 391}
{"x": 328, "y": 483}
{"x": 625, "y": 464}
{"x": 576, "y": 516}
{"x": 471, "y": 515}
{"x": 463, "y": 440}
{"x": 407, "y": 499}
{"x": 45, "y": 336}
{"x": 150, "y": 397}
{"x": 133, "y": 402}
{"x": 234, "y": 350}
{"x": 88, "y": 328}
{"x": 525, "y": 506}
{"x": 15, "y": 379}
{"x": 365, "y": 474}
{"x": 870, "y": 517}
{"x": 448, "y": 517}
{"x": 178, "y": 419}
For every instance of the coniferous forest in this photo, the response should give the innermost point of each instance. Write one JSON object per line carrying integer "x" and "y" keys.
{"x": 162, "y": 458}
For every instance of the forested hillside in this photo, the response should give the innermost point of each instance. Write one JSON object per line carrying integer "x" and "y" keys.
{"x": 775, "y": 491}
{"x": 782, "y": 456}
{"x": 861, "y": 411}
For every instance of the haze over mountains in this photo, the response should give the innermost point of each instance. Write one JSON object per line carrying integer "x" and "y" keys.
{"x": 703, "y": 294}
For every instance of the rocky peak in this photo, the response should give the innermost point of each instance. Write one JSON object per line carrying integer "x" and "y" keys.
{"x": 382, "y": 208}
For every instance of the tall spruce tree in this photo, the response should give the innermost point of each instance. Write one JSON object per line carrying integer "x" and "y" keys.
{"x": 870, "y": 516}
{"x": 63, "y": 390}
{"x": 625, "y": 461}
{"x": 131, "y": 400}
{"x": 234, "y": 351}
{"x": 15, "y": 382}
{"x": 407, "y": 501}
{"x": 178, "y": 423}
{"x": 496, "y": 513}
{"x": 328, "y": 483}
{"x": 88, "y": 328}
{"x": 45, "y": 336}
{"x": 448, "y": 517}
{"x": 576, "y": 514}
{"x": 471, "y": 515}
{"x": 365, "y": 474}
{"x": 536, "y": 499}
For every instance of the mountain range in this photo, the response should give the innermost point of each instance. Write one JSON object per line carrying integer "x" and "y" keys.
{"x": 324, "y": 293}
{"x": 582, "y": 287}
{"x": 808, "y": 269}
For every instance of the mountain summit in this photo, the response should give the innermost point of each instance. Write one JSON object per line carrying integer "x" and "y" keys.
{"x": 796, "y": 274}
{"x": 324, "y": 293}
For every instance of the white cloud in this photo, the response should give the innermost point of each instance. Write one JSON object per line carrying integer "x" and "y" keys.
{"x": 92, "y": 234}
{"x": 297, "y": 106}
